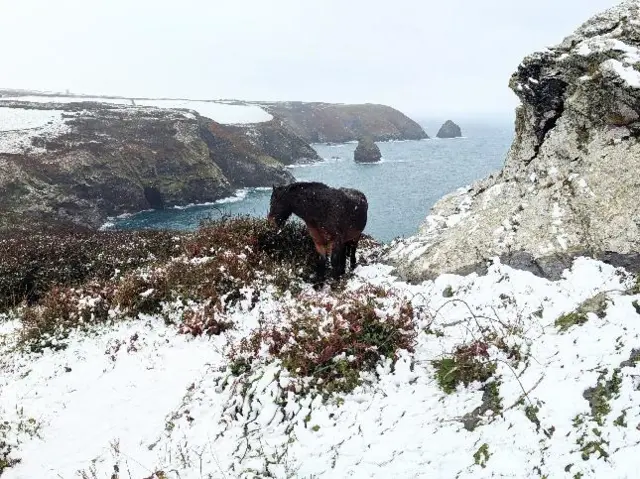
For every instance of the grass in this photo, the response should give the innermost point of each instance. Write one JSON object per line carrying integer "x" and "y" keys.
{"x": 10, "y": 434}
{"x": 567, "y": 320}
{"x": 482, "y": 455}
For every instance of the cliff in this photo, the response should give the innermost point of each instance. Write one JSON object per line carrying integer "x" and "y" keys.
{"x": 570, "y": 184}
{"x": 85, "y": 161}
{"x": 339, "y": 123}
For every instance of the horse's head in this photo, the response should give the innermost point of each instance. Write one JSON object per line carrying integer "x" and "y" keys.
{"x": 280, "y": 208}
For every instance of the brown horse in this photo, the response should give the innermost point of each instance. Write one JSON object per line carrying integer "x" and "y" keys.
{"x": 335, "y": 218}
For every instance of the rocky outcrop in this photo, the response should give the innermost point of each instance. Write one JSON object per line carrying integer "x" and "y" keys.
{"x": 275, "y": 139}
{"x": 570, "y": 183}
{"x": 340, "y": 123}
{"x": 449, "y": 130}
{"x": 86, "y": 161}
{"x": 367, "y": 151}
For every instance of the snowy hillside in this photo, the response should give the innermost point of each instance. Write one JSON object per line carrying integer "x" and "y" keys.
{"x": 505, "y": 375}
{"x": 221, "y": 112}
{"x": 18, "y": 126}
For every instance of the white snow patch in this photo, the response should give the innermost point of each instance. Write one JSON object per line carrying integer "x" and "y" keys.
{"x": 166, "y": 404}
{"x": 18, "y": 126}
{"x": 222, "y": 112}
{"x": 627, "y": 73}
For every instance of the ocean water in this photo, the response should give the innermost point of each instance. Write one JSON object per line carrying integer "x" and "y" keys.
{"x": 400, "y": 189}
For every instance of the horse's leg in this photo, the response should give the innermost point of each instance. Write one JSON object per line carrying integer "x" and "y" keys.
{"x": 321, "y": 260}
{"x": 347, "y": 251}
{"x": 338, "y": 259}
{"x": 352, "y": 256}
{"x": 321, "y": 267}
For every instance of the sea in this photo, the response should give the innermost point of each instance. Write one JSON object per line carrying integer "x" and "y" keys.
{"x": 401, "y": 189}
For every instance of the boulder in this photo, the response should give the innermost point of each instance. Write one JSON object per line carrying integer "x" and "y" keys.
{"x": 367, "y": 151}
{"x": 570, "y": 183}
{"x": 449, "y": 130}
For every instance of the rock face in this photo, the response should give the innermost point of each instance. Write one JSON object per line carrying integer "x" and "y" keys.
{"x": 570, "y": 184}
{"x": 276, "y": 140}
{"x": 449, "y": 130}
{"x": 83, "y": 162}
{"x": 367, "y": 151}
{"x": 339, "y": 123}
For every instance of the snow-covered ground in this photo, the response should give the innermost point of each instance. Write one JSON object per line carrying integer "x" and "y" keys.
{"x": 143, "y": 398}
{"x": 18, "y": 126}
{"x": 222, "y": 112}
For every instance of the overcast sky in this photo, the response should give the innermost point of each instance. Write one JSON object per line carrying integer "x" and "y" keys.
{"x": 427, "y": 58}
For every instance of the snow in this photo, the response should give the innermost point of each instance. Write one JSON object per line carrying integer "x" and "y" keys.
{"x": 222, "y": 112}
{"x": 67, "y": 99}
{"x": 628, "y": 74}
{"x": 19, "y": 125}
{"x": 148, "y": 399}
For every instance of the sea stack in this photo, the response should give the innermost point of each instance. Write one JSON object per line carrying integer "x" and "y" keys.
{"x": 367, "y": 151}
{"x": 449, "y": 130}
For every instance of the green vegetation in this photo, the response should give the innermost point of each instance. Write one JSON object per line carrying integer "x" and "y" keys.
{"x": 468, "y": 363}
{"x": 482, "y": 455}
{"x": 600, "y": 395}
{"x": 596, "y": 305}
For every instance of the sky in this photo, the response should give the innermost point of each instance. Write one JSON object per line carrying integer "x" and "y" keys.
{"x": 426, "y": 58}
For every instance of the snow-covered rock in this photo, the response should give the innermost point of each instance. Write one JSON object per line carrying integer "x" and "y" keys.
{"x": 570, "y": 184}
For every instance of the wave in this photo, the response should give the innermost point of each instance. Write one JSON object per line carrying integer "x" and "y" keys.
{"x": 324, "y": 161}
{"x": 239, "y": 195}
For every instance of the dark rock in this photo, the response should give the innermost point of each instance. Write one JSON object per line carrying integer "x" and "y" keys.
{"x": 367, "y": 151}
{"x": 449, "y": 130}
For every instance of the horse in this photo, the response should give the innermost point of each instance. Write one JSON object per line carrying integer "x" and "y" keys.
{"x": 351, "y": 246}
{"x": 335, "y": 219}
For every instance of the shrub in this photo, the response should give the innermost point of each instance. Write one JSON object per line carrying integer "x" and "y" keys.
{"x": 333, "y": 341}
{"x": 32, "y": 265}
{"x": 214, "y": 267}
{"x": 467, "y": 364}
